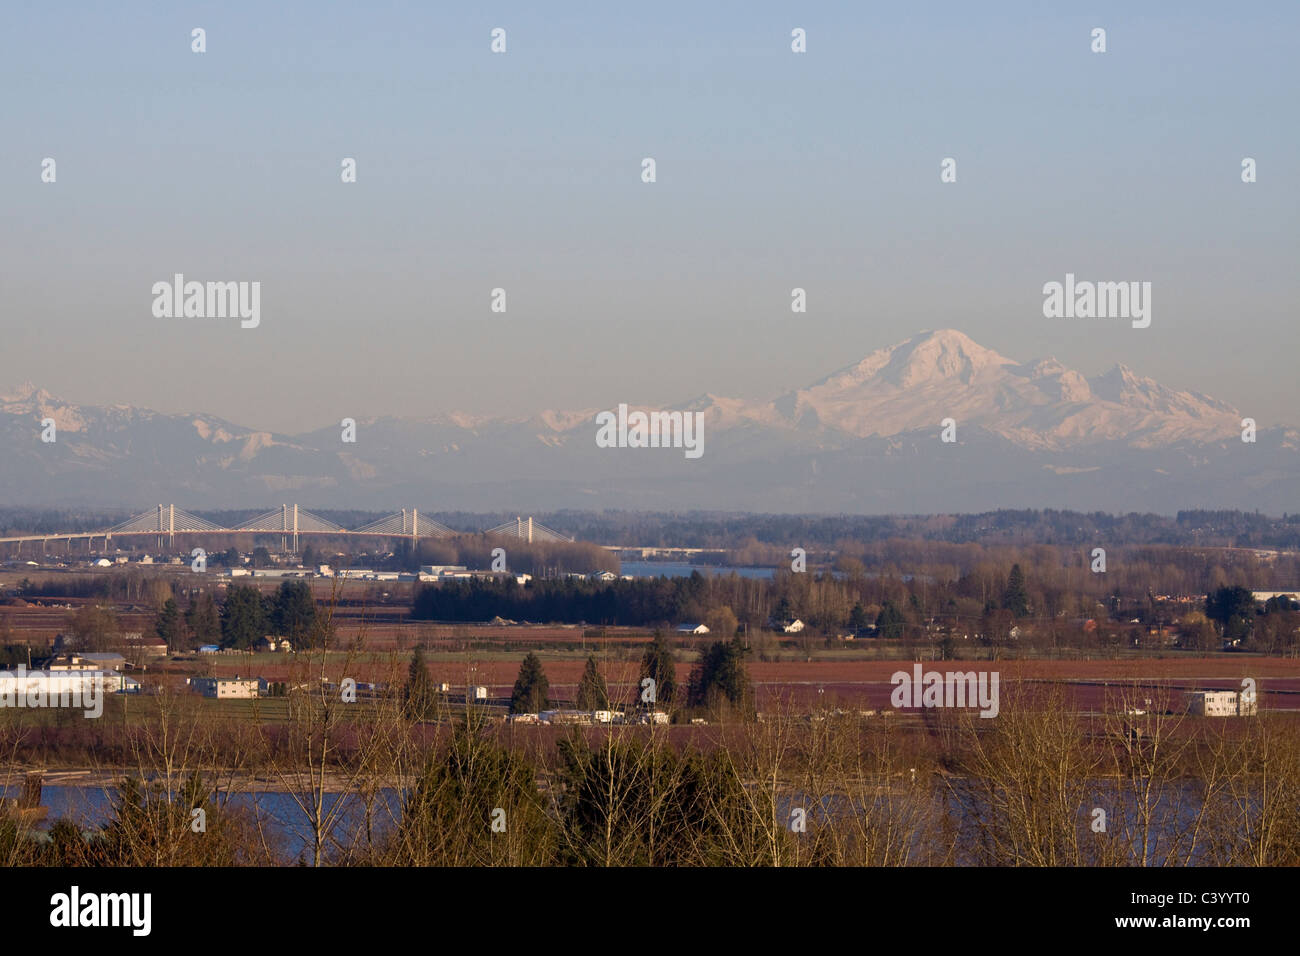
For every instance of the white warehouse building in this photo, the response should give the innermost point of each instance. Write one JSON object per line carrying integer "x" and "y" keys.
{"x": 226, "y": 688}
{"x": 1221, "y": 703}
{"x": 57, "y": 683}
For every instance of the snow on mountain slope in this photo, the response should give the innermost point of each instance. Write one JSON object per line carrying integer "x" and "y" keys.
{"x": 917, "y": 383}
{"x": 863, "y": 437}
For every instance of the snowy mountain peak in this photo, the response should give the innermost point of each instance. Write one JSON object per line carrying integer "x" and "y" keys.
{"x": 927, "y": 357}
{"x": 935, "y": 356}
{"x": 1044, "y": 404}
{"x": 864, "y": 439}
{"x": 851, "y": 427}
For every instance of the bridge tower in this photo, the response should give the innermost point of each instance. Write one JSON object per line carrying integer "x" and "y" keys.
{"x": 288, "y": 526}
{"x": 167, "y": 526}
{"x": 414, "y": 531}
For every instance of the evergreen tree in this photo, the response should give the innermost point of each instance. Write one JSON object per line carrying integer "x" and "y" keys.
{"x": 889, "y": 622}
{"x": 858, "y": 617}
{"x": 420, "y": 698}
{"x": 446, "y": 817}
{"x": 592, "y": 693}
{"x": 531, "y": 690}
{"x": 1015, "y": 598}
{"x": 784, "y": 612}
{"x": 732, "y": 679}
{"x": 243, "y": 618}
{"x": 630, "y": 802}
{"x": 720, "y": 675}
{"x": 294, "y": 611}
{"x": 1233, "y": 608}
{"x": 657, "y": 664}
{"x": 203, "y": 620}
{"x": 168, "y": 625}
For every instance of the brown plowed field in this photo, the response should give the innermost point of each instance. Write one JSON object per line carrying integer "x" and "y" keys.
{"x": 866, "y": 684}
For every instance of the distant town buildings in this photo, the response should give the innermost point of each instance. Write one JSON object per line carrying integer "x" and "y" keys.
{"x": 434, "y": 573}
{"x": 576, "y": 717}
{"x": 588, "y": 717}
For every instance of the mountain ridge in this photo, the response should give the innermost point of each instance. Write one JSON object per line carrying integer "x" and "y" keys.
{"x": 890, "y": 391}
{"x": 865, "y": 436}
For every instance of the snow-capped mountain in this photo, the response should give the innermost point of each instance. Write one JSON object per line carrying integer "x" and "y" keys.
{"x": 865, "y": 438}
{"x": 1043, "y": 405}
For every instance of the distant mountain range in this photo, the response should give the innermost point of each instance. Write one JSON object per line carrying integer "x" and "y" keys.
{"x": 865, "y": 439}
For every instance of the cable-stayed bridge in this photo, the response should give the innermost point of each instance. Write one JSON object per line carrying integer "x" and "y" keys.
{"x": 291, "y": 522}
{"x": 526, "y": 529}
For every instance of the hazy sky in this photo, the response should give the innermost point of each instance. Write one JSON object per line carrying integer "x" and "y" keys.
{"x": 522, "y": 170}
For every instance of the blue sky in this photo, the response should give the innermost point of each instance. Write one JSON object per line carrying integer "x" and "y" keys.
{"x": 522, "y": 171}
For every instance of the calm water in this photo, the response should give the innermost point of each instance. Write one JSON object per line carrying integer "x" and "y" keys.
{"x": 288, "y": 829}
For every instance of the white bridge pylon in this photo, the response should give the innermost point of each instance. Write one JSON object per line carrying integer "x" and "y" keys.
{"x": 290, "y": 520}
{"x": 408, "y": 524}
{"x": 165, "y": 519}
{"x": 526, "y": 529}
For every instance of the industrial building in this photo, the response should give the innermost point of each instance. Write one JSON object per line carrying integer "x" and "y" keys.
{"x": 87, "y": 662}
{"x": 63, "y": 683}
{"x": 1221, "y": 703}
{"x": 226, "y": 688}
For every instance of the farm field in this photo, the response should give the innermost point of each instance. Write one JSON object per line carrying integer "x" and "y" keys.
{"x": 851, "y": 683}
